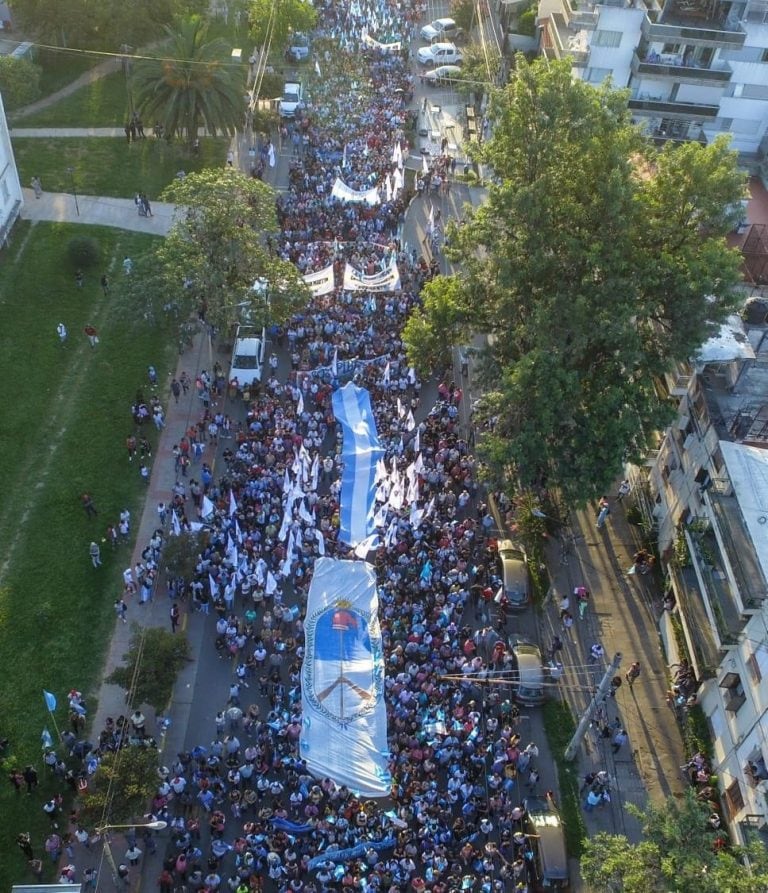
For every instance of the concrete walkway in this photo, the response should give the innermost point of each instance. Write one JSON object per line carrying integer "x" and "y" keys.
{"x": 60, "y": 132}
{"x": 62, "y": 207}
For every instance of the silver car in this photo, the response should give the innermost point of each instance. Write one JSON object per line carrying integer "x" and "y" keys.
{"x": 514, "y": 575}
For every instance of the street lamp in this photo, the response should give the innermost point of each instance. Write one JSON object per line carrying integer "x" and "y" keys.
{"x": 156, "y": 825}
{"x": 71, "y": 172}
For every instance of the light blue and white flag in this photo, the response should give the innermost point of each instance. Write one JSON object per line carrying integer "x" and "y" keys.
{"x": 361, "y": 451}
{"x": 50, "y": 700}
{"x": 344, "y": 719}
{"x": 46, "y": 739}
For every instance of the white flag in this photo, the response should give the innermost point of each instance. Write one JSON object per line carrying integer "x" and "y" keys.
{"x": 208, "y": 508}
{"x": 410, "y": 422}
{"x": 214, "y": 586}
{"x": 335, "y": 363}
{"x": 368, "y": 544}
{"x": 417, "y": 441}
{"x": 317, "y": 68}
{"x": 315, "y": 471}
{"x": 232, "y": 503}
{"x": 424, "y": 164}
{"x": 431, "y": 221}
{"x": 320, "y": 542}
{"x": 300, "y": 405}
{"x": 175, "y": 525}
{"x": 271, "y": 155}
{"x": 344, "y": 157}
{"x": 387, "y": 373}
{"x": 238, "y": 533}
{"x": 271, "y": 583}
{"x": 400, "y": 408}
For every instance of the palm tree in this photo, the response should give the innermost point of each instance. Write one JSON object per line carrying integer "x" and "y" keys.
{"x": 191, "y": 84}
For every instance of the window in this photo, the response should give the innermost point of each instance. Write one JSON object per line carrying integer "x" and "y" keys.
{"x": 671, "y": 49}
{"x": 597, "y": 75}
{"x": 4, "y": 191}
{"x": 734, "y": 798}
{"x": 764, "y": 56}
{"x": 757, "y": 663}
{"x": 733, "y": 692}
{"x": 606, "y": 39}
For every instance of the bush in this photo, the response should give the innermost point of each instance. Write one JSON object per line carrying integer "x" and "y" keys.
{"x": 84, "y": 252}
{"x": 526, "y": 23}
{"x": 559, "y": 727}
{"x": 19, "y": 82}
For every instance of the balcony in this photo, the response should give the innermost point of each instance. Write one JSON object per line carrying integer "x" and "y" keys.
{"x": 562, "y": 42}
{"x": 703, "y": 22}
{"x": 721, "y": 602}
{"x": 668, "y": 66}
{"x": 702, "y": 647}
{"x": 739, "y": 548}
{"x": 670, "y": 107}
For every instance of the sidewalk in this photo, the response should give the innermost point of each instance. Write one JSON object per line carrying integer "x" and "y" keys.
{"x": 94, "y": 74}
{"x": 111, "y": 698}
{"x": 623, "y": 617}
{"x": 62, "y": 207}
{"x": 59, "y": 132}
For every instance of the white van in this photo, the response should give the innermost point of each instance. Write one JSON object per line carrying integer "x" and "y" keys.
{"x": 248, "y": 356}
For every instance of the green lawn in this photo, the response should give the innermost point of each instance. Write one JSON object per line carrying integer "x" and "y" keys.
{"x": 60, "y": 67}
{"x": 63, "y": 432}
{"x": 104, "y": 103}
{"x": 110, "y": 166}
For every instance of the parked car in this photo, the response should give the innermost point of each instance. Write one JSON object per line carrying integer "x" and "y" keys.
{"x": 441, "y": 29}
{"x": 443, "y": 74}
{"x": 292, "y": 99}
{"x": 529, "y": 676}
{"x": 545, "y": 829}
{"x": 514, "y": 575}
{"x": 439, "y": 54}
{"x": 248, "y": 356}
{"x": 298, "y": 47}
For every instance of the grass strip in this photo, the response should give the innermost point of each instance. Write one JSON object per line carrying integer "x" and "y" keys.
{"x": 559, "y": 726}
{"x": 63, "y": 433}
{"x": 109, "y": 165}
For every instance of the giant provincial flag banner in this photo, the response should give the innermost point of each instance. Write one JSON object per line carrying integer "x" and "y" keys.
{"x": 347, "y": 194}
{"x": 361, "y": 451}
{"x": 322, "y": 282}
{"x": 386, "y": 280}
{"x": 344, "y": 719}
{"x": 390, "y": 47}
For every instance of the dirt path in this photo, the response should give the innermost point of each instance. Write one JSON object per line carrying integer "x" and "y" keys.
{"x": 94, "y": 74}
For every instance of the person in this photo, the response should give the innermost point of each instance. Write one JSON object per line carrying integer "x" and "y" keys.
{"x": 175, "y": 617}
{"x": 95, "y": 552}
{"x": 24, "y": 843}
{"x": 88, "y": 506}
{"x": 37, "y": 186}
{"x": 127, "y": 265}
{"x": 61, "y": 331}
{"x": 138, "y": 722}
{"x": 105, "y": 284}
{"x": 79, "y": 278}
{"x": 625, "y": 488}
{"x": 632, "y": 673}
{"x": 175, "y": 390}
{"x": 92, "y": 335}
{"x": 121, "y": 609}
{"x": 133, "y": 854}
{"x": 30, "y": 778}
{"x": 619, "y": 739}
{"x": 604, "y": 510}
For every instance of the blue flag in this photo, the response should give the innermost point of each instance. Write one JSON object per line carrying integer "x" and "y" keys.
{"x": 50, "y": 700}
{"x": 46, "y": 738}
{"x": 426, "y": 571}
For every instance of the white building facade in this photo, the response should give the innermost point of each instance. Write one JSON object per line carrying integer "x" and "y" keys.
{"x": 706, "y": 489}
{"x": 10, "y": 188}
{"x": 694, "y": 68}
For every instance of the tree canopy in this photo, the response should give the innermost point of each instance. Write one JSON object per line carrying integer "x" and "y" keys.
{"x": 191, "y": 83}
{"x": 152, "y": 662}
{"x": 596, "y": 262}
{"x": 272, "y": 21}
{"x": 216, "y": 251}
{"x": 121, "y": 788}
{"x": 679, "y": 854}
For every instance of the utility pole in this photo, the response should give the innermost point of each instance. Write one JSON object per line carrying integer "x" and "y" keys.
{"x": 599, "y": 695}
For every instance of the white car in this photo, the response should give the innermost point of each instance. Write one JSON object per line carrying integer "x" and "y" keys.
{"x": 248, "y": 356}
{"x": 439, "y": 54}
{"x": 292, "y": 99}
{"x": 443, "y": 74}
{"x": 298, "y": 48}
{"x": 441, "y": 29}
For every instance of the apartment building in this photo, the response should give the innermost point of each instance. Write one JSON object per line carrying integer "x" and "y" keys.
{"x": 10, "y": 187}
{"x": 694, "y": 68}
{"x": 706, "y": 491}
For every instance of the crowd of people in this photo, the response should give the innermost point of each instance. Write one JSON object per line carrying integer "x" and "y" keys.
{"x": 459, "y": 766}
{"x": 243, "y": 810}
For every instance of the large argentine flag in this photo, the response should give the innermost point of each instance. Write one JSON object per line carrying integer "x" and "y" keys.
{"x": 361, "y": 451}
{"x": 344, "y": 719}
